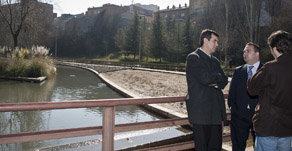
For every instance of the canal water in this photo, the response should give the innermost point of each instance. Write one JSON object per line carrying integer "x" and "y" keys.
{"x": 71, "y": 84}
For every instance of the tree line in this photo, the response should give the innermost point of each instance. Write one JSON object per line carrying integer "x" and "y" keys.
{"x": 169, "y": 39}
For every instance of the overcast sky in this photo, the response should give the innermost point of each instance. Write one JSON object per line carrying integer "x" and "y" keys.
{"x": 80, "y": 6}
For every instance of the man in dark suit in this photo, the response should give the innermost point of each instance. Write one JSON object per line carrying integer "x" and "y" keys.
{"x": 242, "y": 105}
{"x": 205, "y": 100}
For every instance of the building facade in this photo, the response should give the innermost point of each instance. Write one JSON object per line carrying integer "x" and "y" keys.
{"x": 176, "y": 13}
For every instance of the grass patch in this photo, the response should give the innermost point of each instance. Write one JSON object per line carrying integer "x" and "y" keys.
{"x": 121, "y": 57}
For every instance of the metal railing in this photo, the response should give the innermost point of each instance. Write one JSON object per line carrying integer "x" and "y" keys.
{"x": 107, "y": 129}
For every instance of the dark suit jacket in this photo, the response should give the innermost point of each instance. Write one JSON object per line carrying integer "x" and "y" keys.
{"x": 238, "y": 97}
{"x": 205, "y": 103}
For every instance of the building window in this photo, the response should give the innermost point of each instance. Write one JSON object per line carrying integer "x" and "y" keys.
{"x": 182, "y": 15}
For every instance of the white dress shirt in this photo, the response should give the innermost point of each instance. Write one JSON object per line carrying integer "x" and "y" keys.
{"x": 255, "y": 67}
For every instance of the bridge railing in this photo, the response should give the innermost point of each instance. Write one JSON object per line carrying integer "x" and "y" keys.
{"x": 107, "y": 129}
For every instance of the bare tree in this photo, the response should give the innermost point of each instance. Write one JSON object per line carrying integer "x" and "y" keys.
{"x": 253, "y": 14}
{"x": 273, "y": 7}
{"x": 14, "y": 14}
{"x": 280, "y": 14}
{"x": 38, "y": 27}
{"x": 226, "y": 31}
{"x": 216, "y": 17}
{"x": 120, "y": 39}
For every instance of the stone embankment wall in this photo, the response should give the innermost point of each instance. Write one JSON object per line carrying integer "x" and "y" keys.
{"x": 98, "y": 68}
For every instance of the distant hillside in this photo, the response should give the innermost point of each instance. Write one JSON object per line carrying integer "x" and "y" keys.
{"x": 148, "y": 7}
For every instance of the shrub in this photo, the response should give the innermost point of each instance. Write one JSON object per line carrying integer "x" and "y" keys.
{"x": 39, "y": 51}
{"x": 16, "y": 68}
{"x": 33, "y": 70}
{"x": 43, "y": 66}
{"x": 23, "y": 54}
{"x": 29, "y": 63}
{"x": 3, "y": 68}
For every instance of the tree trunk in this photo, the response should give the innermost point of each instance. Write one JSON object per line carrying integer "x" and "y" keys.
{"x": 226, "y": 31}
{"x": 253, "y": 9}
{"x": 15, "y": 40}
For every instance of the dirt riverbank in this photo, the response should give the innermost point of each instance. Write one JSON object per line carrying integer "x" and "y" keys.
{"x": 152, "y": 84}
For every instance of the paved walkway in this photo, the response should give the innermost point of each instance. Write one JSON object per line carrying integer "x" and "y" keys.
{"x": 249, "y": 149}
{"x": 229, "y": 148}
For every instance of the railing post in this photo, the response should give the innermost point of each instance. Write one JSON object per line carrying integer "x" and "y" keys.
{"x": 108, "y": 126}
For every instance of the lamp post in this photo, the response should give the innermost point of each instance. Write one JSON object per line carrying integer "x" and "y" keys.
{"x": 140, "y": 43}
{"x": 56, "y": 40}
{"x": 140, "y": 37}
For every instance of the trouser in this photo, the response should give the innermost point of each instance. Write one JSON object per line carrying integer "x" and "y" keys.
{"x": 271, "y": 143}
{"x": 207, "y": 137}
{"x": 240, "y": 129}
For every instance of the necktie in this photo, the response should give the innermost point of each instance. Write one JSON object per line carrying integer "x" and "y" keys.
{"x": 249, "y": 72}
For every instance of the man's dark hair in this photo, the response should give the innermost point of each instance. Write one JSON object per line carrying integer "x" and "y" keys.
{"x": 256, "y": 47}
{"x": 282, "y": 40}
{"x": 207, "y": 33}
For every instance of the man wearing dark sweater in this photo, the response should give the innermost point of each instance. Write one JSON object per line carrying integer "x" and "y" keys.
{"x": 273, "y": 84}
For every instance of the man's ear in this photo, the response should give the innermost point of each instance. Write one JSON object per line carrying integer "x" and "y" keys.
{"x": 275, "y": 52}
{"x": 258, "y": 54}
{"x": 275, "y": 49}
{"x": 205, "y": 40}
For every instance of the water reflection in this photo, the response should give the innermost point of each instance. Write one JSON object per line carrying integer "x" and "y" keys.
{"x": 80, "y": 84}
{"x": 16, "y": 92}
{"x": 14, "y": 122}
